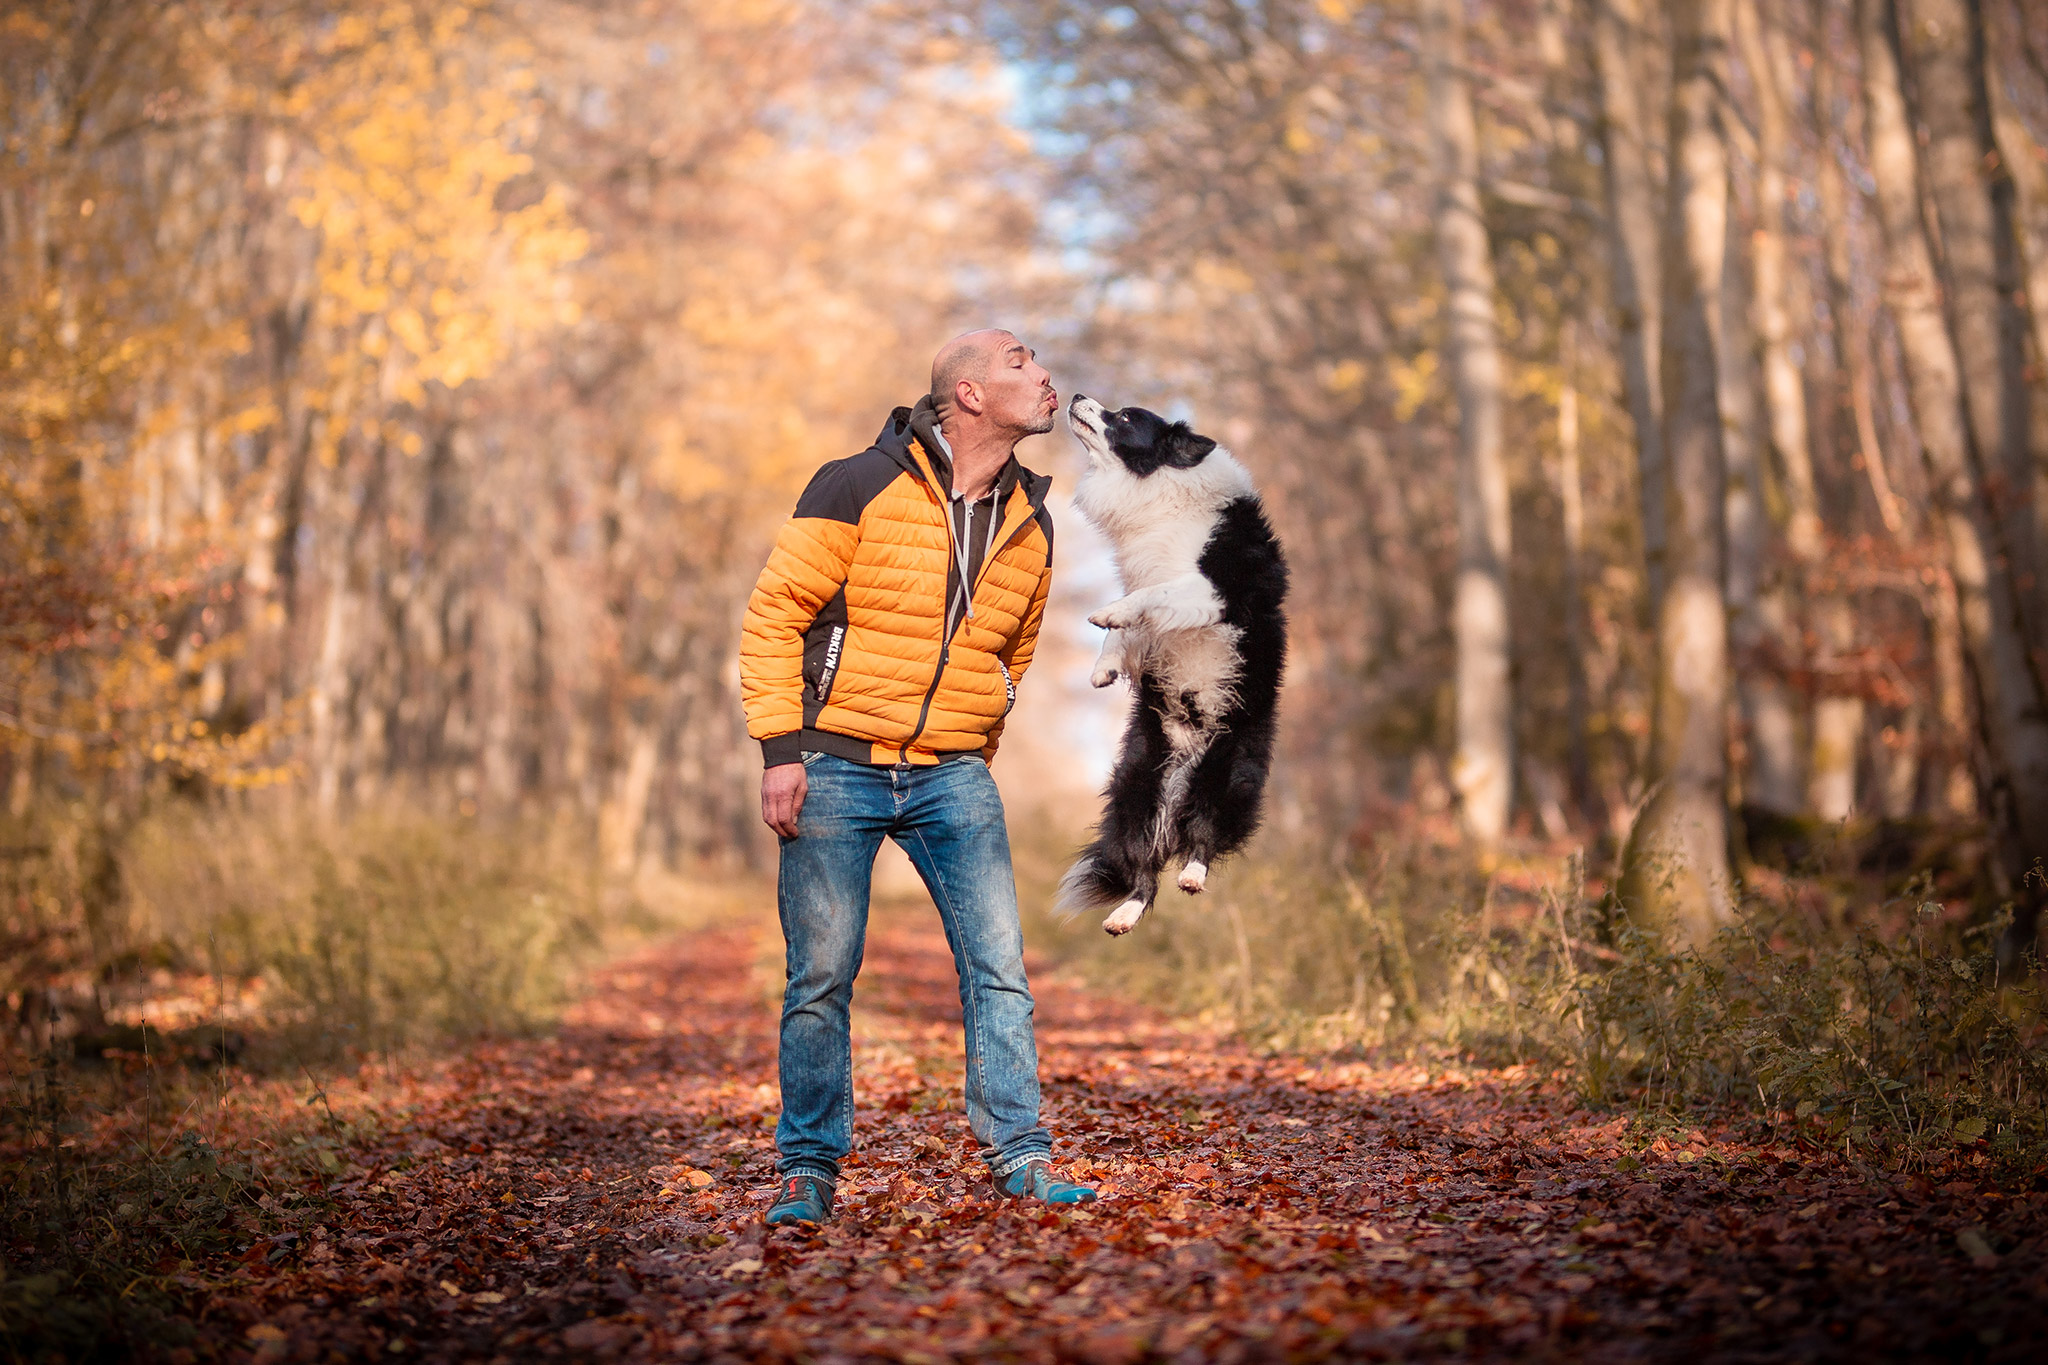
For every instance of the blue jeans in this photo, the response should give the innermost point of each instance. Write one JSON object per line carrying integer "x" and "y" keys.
{"x": 949, "y": 819}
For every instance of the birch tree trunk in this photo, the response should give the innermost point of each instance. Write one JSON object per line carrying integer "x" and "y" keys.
{"x": 1632, "y": 228}
{"x": 1675, "y": 868}
{"x": 2012, "y": 721}
{"x": 1484, "y": 770}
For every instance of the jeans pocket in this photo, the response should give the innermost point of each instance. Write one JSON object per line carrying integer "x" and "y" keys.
{"x": 811, "y": 756}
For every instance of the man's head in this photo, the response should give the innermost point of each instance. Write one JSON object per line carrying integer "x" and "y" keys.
{"x": 990, "y": 380}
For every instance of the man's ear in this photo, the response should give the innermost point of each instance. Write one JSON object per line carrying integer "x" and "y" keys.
{"x": 967, "y": 397}
{"x": 1184, "y": 447}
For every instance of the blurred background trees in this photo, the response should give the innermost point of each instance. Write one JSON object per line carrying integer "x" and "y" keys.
{"x": 398, "y": 398}
{"x": 1770, "y": 387}
{"x": 396, "y": 394}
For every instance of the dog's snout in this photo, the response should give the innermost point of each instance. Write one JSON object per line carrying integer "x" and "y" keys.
{"x": 1077, "y": 400}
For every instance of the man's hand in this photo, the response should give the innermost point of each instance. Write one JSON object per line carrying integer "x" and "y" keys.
{"x": 782, "y": 796}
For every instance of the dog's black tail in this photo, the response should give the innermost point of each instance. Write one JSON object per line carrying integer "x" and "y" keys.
{"x": 1090, "y": 884}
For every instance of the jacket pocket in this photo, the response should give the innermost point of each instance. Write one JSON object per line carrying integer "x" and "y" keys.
{"x": 1009, "y": 687}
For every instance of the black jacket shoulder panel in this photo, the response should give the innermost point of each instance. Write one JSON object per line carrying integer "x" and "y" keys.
{"x": 841, "y": 490}
{"x": 1036, "y": 486}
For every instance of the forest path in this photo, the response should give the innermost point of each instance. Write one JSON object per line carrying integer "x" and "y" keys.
{"x": 597, "y": 1195}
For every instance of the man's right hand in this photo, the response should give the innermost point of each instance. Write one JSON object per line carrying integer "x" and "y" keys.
{"x": 782, "y": 796}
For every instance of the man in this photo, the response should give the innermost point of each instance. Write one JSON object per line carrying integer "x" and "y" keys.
{"x": 882, "y": 649}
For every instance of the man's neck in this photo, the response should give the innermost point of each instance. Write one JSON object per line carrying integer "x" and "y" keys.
{"x": 978, "y": 458}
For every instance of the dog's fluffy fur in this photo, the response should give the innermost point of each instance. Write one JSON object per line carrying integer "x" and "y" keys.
{"x": 1200, "y": 632}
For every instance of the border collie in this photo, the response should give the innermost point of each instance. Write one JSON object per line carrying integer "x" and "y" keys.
{"x": 1200, "y": 632}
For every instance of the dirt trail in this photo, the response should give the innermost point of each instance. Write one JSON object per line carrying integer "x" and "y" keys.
{"x": 598, "y": 1195}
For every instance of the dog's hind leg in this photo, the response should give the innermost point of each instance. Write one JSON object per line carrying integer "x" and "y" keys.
{"x": 1197, "y": 834}
{"x": 1128, "y": 843}
{"x": 1124, "y": 918}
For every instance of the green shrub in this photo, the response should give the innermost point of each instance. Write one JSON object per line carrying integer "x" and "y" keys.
{"x": 1290, "y": 945}
{"x": 323, "y": 939}
{"x": 100, "y": 1242}
{"x": 375, "y": 932}
{"x": 1912, "y": 1041}
{"x": 1891, "y": 1030}
{"x": 361, "y": 934}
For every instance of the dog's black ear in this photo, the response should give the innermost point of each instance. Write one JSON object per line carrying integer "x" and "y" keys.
{"x": 1184, "y": 447}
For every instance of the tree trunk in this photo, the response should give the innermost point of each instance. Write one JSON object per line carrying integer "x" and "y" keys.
{"x": 1784, "y": 388}
{"x": 2026, "y": 161}
{"x": 2023, "y": 159}
{"x": 1632, "y": 226}
{"x": 1852, "y": 331}
{"x": 1838, "y": 709}
{"x": 1973, "y": 197}
{"x": 1758, "y": 623}
{"x": 2013, "y": 722}
{"x": 1675, "y": 869}
{"x": 1837, "y": 712}
{"x": 1952, "y": 787}
{"x": 1571, "y": 498}
{"x": 1484, "y": 770}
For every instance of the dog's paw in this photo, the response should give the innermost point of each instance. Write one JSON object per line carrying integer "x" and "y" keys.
{"x": 1194, "y": 876}
{"x": 1115, "y": 616}
{"x": 1103, "y": 676}
{"x": 1124, "y": 918}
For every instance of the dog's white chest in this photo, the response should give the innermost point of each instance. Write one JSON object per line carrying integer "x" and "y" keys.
{"x": 1194, "y": 665}
{"x": 1153, "y": 553}
{"x": 1168, "y": 624}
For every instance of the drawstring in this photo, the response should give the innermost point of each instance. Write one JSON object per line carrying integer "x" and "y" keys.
{"x": 959, "y": 544}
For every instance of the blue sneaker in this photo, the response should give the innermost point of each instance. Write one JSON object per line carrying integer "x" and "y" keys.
{"x": 803, "y": 1199}
{"x": 1034, "y": 1180}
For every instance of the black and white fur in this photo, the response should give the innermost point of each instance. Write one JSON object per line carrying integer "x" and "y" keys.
{"x": 1200, "y": 632}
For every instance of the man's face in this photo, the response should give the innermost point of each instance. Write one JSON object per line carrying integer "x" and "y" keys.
{"x": 1018, "y": 394}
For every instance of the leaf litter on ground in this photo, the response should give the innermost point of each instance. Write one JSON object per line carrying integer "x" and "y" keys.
{"x": 599, "y": 1193}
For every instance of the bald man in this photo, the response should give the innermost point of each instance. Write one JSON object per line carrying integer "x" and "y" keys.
{"x": 882, "y": 650}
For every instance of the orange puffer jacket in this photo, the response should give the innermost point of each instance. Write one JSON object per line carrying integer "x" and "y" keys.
{"x": 845, "y": 650}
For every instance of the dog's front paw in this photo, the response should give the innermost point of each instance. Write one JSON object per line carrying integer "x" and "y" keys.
{"x": 1103, "y": 676}
{"x": 1115, "y": 616}
{"x": 1124, "y": 918}
{"x": 1194, "y": 876}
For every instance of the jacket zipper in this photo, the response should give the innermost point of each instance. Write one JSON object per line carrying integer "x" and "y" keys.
{"x": 946, "y": 645}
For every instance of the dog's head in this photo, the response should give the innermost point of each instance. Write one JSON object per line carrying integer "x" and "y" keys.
{"x": 1142, "y": 441}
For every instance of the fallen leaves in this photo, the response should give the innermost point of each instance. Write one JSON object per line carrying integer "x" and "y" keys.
{"x": 1250, "y": 1210}
{"x": 1977, "y": 1248}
